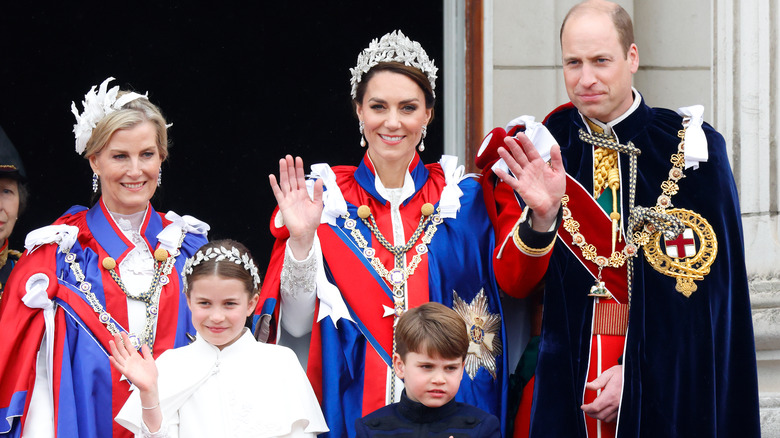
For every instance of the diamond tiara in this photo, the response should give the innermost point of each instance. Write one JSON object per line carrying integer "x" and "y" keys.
{"x": 394, "y": 46}
{"x": 96, "y": 106}
{"x": 221, "y": 254}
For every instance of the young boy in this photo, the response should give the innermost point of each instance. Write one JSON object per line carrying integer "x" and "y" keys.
{"x": 431, "y": 346}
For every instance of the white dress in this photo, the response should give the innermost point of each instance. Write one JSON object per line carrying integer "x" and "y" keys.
{"x": 248, "y": 389}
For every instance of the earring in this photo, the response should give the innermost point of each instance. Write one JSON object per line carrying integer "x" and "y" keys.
{"x": 422, "y": 140}
{"x": 94, "y": 182}
{"x": 361, "y": 127}
{"x": 159, "y": 178}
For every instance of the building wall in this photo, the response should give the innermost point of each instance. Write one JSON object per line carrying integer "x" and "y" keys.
{"x": 722, "y": 54}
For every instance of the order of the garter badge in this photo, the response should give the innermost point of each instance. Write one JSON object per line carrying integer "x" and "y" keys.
{"x": 687, "y": 257}
{"x": 482, "y": 328}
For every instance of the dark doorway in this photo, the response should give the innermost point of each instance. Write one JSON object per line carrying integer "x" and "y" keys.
{"x": 242, "y": 85}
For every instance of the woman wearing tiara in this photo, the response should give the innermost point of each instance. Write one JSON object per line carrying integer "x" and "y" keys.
{"x": 357, "y": 246}
{"x": 113, "y": 268}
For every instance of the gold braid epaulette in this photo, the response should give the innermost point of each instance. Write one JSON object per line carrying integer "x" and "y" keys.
{"x": 522, "y": 246}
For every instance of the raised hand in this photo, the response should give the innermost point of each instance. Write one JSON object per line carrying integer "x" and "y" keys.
{"x": 141, "y": 371}
{"x": 300, "y": 212}
{"x": 541, "y": 185}
{"x": 605, "y": 406}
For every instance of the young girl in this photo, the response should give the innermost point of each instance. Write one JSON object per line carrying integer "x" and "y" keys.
{"x": 225, "y": 384}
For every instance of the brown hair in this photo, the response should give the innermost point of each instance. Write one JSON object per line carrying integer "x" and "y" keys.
{"x": 412, "y": 73}
{"x": 24, "y": 193}
{"x": 618, "y": 15}
{"x": 434, "y": 329}
{"x": 223, "y": 268}
{"x": 131, "y": 114}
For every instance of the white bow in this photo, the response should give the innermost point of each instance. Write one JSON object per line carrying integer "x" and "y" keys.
{"x": 536, "y": 132}
{"x": 334, "y": 205}
{"x": 695, "y": 140}
{"x": 64, "y": 235}
{"x": 331, "y": 302}
{"x": 449, "y": 204}
{"x": 170, "y": 235}
{"x": 36, "y": 297}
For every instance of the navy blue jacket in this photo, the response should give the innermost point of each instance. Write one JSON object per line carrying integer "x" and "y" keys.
{"x": 409, "y": 419}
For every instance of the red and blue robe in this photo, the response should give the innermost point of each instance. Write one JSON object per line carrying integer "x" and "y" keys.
{"x": 347, "y": 364}
{"x": 87, "y": 391}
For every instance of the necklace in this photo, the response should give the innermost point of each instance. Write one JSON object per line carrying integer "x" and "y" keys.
{"x": 397, "y": 276}
{"x": 642, "y": 221}
{"x": 164, "y": 262}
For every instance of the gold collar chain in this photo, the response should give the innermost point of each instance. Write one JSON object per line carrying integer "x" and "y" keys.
{"x": 396, "y": 277}
{"x": 642, "y": 222}
{"x": 150, "y": 298}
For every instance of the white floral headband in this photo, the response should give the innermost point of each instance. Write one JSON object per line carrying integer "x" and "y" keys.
{"x": 97, "y": 106}
{"x": 394, "y": 46}
{"x": 221, "y": 254}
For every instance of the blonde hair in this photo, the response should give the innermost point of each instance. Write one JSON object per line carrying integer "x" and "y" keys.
{"x": 131, "y": 114}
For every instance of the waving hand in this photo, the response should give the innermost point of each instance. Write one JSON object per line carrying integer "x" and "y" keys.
{"x": 541, "y": 185}
{"x": 300, "y": 212}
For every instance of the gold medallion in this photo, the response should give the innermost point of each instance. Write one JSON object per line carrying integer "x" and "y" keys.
{"x": 689, "y": 256}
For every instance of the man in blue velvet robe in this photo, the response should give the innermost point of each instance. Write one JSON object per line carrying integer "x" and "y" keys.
{"x": 647, "y": 328}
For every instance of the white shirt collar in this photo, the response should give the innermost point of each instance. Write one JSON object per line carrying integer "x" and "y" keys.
{"x": 607, "y": 127}
{"x": 407, "y": 190}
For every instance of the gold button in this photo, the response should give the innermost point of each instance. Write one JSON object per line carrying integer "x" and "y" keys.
{"x": 427, "y": 209}
{"x": 364, "y": 212}
{"x": 109, "y": 263}
{"x": 160, "y": 254}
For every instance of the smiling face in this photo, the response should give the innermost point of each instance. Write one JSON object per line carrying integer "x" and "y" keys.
{"x": 430, "y": 380}
{"x": 128, "y": 167}
{"x": 219, "y": 308}
{"x": 393, "y": 110}
{"x": 596, "y": 68}
{"x": 9, "y": 207}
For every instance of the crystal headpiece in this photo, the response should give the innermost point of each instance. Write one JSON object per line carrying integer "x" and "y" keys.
{"x": 97, "y": 106}
{"x": 232, "y": 255}
{"x": 394, "y": 46}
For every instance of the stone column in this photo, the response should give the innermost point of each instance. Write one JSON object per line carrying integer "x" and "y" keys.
{"x": 747, "y": 113}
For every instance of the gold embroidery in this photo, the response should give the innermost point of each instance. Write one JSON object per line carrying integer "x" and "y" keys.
{"x": 535, "y": 252}
{"x": 685, "y": 269}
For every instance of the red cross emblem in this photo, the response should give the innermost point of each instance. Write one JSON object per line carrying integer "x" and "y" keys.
{"x": 681, "y": 246}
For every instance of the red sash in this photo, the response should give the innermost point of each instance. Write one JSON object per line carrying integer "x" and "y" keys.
{"x": 366, "y": 292}
{"x": 596, "y": 227}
